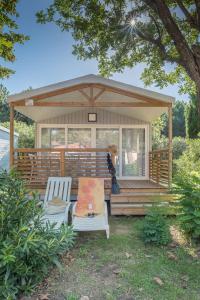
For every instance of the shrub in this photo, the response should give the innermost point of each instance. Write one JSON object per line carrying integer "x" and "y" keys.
{"x": 188, "y": 187}
{"x": 26, "y": 134}
{"x": 190, "y": 160}
{"x": 179, "y": 145}
{"x": 192, "y": 118}
{"x": 27, "y": 248}
{"x": 155, "y": 229}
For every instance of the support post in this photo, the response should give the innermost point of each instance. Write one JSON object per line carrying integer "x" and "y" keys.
{"x": 11, "y": 136}
{"x": 170, "y": 143}
{"x": 62, "y": 163}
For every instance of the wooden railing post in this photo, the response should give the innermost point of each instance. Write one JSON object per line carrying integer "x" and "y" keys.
{"x": 62, "y": 163}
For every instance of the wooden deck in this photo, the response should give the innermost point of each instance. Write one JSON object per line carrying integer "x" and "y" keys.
{"x": 139, "y": 184}
{"x": 136, "y": 196}
{"x": 36, "y": 165}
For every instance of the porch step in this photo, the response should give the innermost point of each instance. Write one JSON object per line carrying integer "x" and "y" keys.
{"x": 128, "y": 209}
{"x": 145, "y": 190}
{"x": 140, "y": 197}
{"x": 137, "y": 203}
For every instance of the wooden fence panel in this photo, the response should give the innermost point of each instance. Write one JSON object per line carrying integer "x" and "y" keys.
{"x": 159, "y": 166}
{"x": 36, "y": 165}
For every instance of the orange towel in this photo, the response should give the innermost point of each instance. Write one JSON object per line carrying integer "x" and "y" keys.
{"x": 90, "y": 197}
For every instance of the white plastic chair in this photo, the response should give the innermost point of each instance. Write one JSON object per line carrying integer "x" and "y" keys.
{"x": 58, "y": 187}
{"x": 99, "y": 222}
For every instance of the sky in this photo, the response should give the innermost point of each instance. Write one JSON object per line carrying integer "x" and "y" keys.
{"x": 47, "y": 57}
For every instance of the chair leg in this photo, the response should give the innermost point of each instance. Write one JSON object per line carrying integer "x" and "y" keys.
{"x": 107, "y": 233}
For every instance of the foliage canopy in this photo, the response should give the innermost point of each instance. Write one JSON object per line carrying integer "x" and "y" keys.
{"x": 9, "y": 35}
{"x": 123, "y": 33}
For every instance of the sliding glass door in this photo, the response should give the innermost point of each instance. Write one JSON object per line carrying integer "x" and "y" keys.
{"x": 79, "y": 138}
{"x": 133, "y": 152}
{"x": 131, "y": 143}
{"x": 53, "y": 137}
{"x": 106, "y": 137}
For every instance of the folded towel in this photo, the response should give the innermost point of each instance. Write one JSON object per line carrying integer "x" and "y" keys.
{"x": 90, "y": 197}
{"x": 55, "y": 206}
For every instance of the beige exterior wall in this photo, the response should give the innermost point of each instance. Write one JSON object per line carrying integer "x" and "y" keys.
{"x": 104, "y": 117}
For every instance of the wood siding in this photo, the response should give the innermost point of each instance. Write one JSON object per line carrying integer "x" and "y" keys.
{"x": 103, "y": 117}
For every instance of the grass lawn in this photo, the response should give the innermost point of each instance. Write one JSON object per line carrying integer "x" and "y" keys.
{"x": 123, "y": 268}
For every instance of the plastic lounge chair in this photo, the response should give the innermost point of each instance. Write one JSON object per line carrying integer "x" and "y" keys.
{"x": 58, "y": 187}
{"x": 88, "y": 223}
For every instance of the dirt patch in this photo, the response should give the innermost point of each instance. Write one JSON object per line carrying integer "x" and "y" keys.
{"x": 119, "y": 229}
{"x": 177, "y": 236}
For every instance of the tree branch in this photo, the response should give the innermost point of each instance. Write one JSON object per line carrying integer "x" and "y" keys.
{"x": 158, "y": 43}
{"x": 186, "y": 54}
{"x": 197, "y": 3}
{"x": 190, "y": 19}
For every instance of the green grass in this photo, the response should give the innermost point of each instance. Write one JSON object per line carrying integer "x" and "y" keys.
{"x": 101, "y": 270}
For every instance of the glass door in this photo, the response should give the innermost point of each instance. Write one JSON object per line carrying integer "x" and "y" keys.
{"x": 106, "y": 137}
{"x": 53, "y": 137}
{"x": 133, "y": 152}
{"x": 79, "y": 138}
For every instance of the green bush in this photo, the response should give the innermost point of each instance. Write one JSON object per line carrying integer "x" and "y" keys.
{"x": 188, "y": 187}
{"x": 179, "y": 145}
{"x": 189, "y": 161}
{"x": 155, "y": 228}
{"x": 26, "y": 133}
{"x": 27, "y": 248}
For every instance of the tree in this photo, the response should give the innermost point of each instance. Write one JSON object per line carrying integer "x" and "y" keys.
{"x": 123, "y": 33}
{"x": 178, "y": 121}
{"x": 5, "y": 110}
{"x": 192, "y": 119}
{"x": 26, "y": 133}
{"x": 8, "y": 34}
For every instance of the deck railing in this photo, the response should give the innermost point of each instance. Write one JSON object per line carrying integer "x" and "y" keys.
{"x": 159, "y": 170}
{"x": 36, "y": 165}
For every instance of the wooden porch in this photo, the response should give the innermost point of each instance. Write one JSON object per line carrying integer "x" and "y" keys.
{"x": 85, "y": 93}
{"x": 36, "y": 165}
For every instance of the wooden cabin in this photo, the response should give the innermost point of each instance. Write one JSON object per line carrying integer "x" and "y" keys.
{"x": 79, "y": 121}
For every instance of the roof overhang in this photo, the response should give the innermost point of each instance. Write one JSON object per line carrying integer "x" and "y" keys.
{"x": 90, "y": 91}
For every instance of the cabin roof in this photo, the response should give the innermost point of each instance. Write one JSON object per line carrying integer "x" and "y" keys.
{"x": 90, "y": 78}
{"x": 72, "y": 95}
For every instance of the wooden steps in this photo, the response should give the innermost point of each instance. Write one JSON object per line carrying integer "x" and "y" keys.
{"x": 145, "y": 190}
{"x": 137, "y": 203}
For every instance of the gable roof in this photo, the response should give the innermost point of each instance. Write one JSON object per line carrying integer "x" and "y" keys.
{"x": 90, "y": 91}
{"x": 90, "y": 79}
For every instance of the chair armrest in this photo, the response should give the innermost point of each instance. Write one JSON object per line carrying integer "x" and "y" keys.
{"x": 73, "y": 210}
{"x": 67, "y": 208}
{"x": 106, "y": 211}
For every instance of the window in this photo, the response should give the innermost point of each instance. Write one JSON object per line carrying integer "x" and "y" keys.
{"x": 133, "y": 152}
{"x": 53, "y": 137}
{"x": 106, "y": 137}
{"x": 132, "y": 146}
{"x": 79, "y": 138}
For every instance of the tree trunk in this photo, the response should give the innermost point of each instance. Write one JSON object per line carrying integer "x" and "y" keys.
{"x": 198, "y": 97}
{"x": 189, "y": 56}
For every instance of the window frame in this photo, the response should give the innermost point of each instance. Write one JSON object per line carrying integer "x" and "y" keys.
{"x": 93, "y": 128}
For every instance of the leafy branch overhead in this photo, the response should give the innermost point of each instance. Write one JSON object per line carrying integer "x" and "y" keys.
{"x": 164, "y": 35}
{"x": 9, "y": 35}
